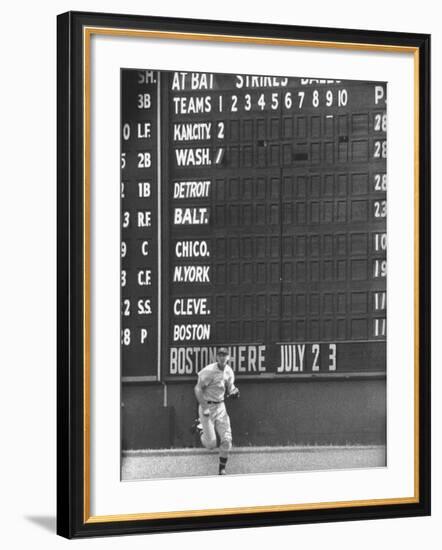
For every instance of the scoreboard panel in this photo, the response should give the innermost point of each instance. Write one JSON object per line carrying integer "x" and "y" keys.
{"x": 140, "y": 226}
{"x": 254, "y": 217}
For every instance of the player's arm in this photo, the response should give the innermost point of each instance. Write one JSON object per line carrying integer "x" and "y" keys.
{"x": 232, "y": 390}
{"x": 199, "y": 394}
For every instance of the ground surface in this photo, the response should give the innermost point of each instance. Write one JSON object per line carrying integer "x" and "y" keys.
{"x": 200, "y": 462}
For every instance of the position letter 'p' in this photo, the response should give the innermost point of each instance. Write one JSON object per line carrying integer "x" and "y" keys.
{"x": 379, "y": 94}
{"x": 143, "y": 335}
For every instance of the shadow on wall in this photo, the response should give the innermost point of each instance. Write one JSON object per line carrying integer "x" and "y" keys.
{"x": 48, "y": 523}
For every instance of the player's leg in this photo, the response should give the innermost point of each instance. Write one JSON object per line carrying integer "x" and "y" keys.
{"x": 208, "y": 435}
{"x": 224, "y": 430}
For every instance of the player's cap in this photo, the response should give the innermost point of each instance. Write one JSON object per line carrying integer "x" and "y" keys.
{"x": 222, "y": 351}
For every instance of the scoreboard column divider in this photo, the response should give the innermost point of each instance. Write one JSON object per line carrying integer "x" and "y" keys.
{"x": 281, "y": 227}
{"x": 163, "y": 196}
{"x": 160, "y": 218}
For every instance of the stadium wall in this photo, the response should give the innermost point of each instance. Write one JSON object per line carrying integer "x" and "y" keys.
{"x": 350, "y": 411}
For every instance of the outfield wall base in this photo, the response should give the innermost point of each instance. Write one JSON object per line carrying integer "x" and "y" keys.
{"x": 270, "y": 413}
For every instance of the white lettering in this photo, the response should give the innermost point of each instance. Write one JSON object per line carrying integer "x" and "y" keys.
{"x": 144, "y": 130}
{"x": 144, "y": 307}
{"x": 241, "y": 358}
{"x": 144, "y": 189}
{"x": 191, "y": 216}
{"x": 191, "y": 189}
{"x": 190, "y": 306}
{"x": 201, "y": 81}
{"x": 260, "y": 81}
{"x": 145, "y": 219}
{"x": 191, "y": 274}
{"x": 191, "y": 332}
{"x": 378, "y": 94}
{"x": 190, "y": 360}
{"x": 145, "y": 277}
{"x": 146, "y": 77}
{"x": 192, "y": 105}
{"x": 251, "y": 358}
{"x": 292, "y": 358}
{"x": 191, "y": 249}
{"x": 179, "y": 81}
{"x": 173, "y": 364}
{"x": 193, "y": 157}
{"x": 309, "y": 81}
{"x": 192, "y": 131}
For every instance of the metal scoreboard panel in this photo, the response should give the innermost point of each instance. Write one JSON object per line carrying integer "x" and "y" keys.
{"x": 140, "y": 226}
{"x": 253, "y": 216}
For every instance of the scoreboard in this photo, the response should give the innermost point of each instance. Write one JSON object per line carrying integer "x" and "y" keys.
{"x": 253, "y": 216}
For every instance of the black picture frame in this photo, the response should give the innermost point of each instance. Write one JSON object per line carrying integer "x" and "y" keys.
{"x": 73, "y": 517}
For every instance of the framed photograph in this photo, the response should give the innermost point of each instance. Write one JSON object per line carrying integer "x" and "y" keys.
{"x": 232, "y": 350}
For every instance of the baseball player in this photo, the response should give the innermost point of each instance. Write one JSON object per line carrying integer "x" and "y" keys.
{"x": 215, "y": 383}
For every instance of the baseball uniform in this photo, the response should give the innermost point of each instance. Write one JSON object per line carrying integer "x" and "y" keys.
{"x": 215, "y": 384}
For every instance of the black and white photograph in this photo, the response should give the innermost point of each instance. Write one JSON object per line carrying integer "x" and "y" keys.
{"x": 253, "y": 274}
